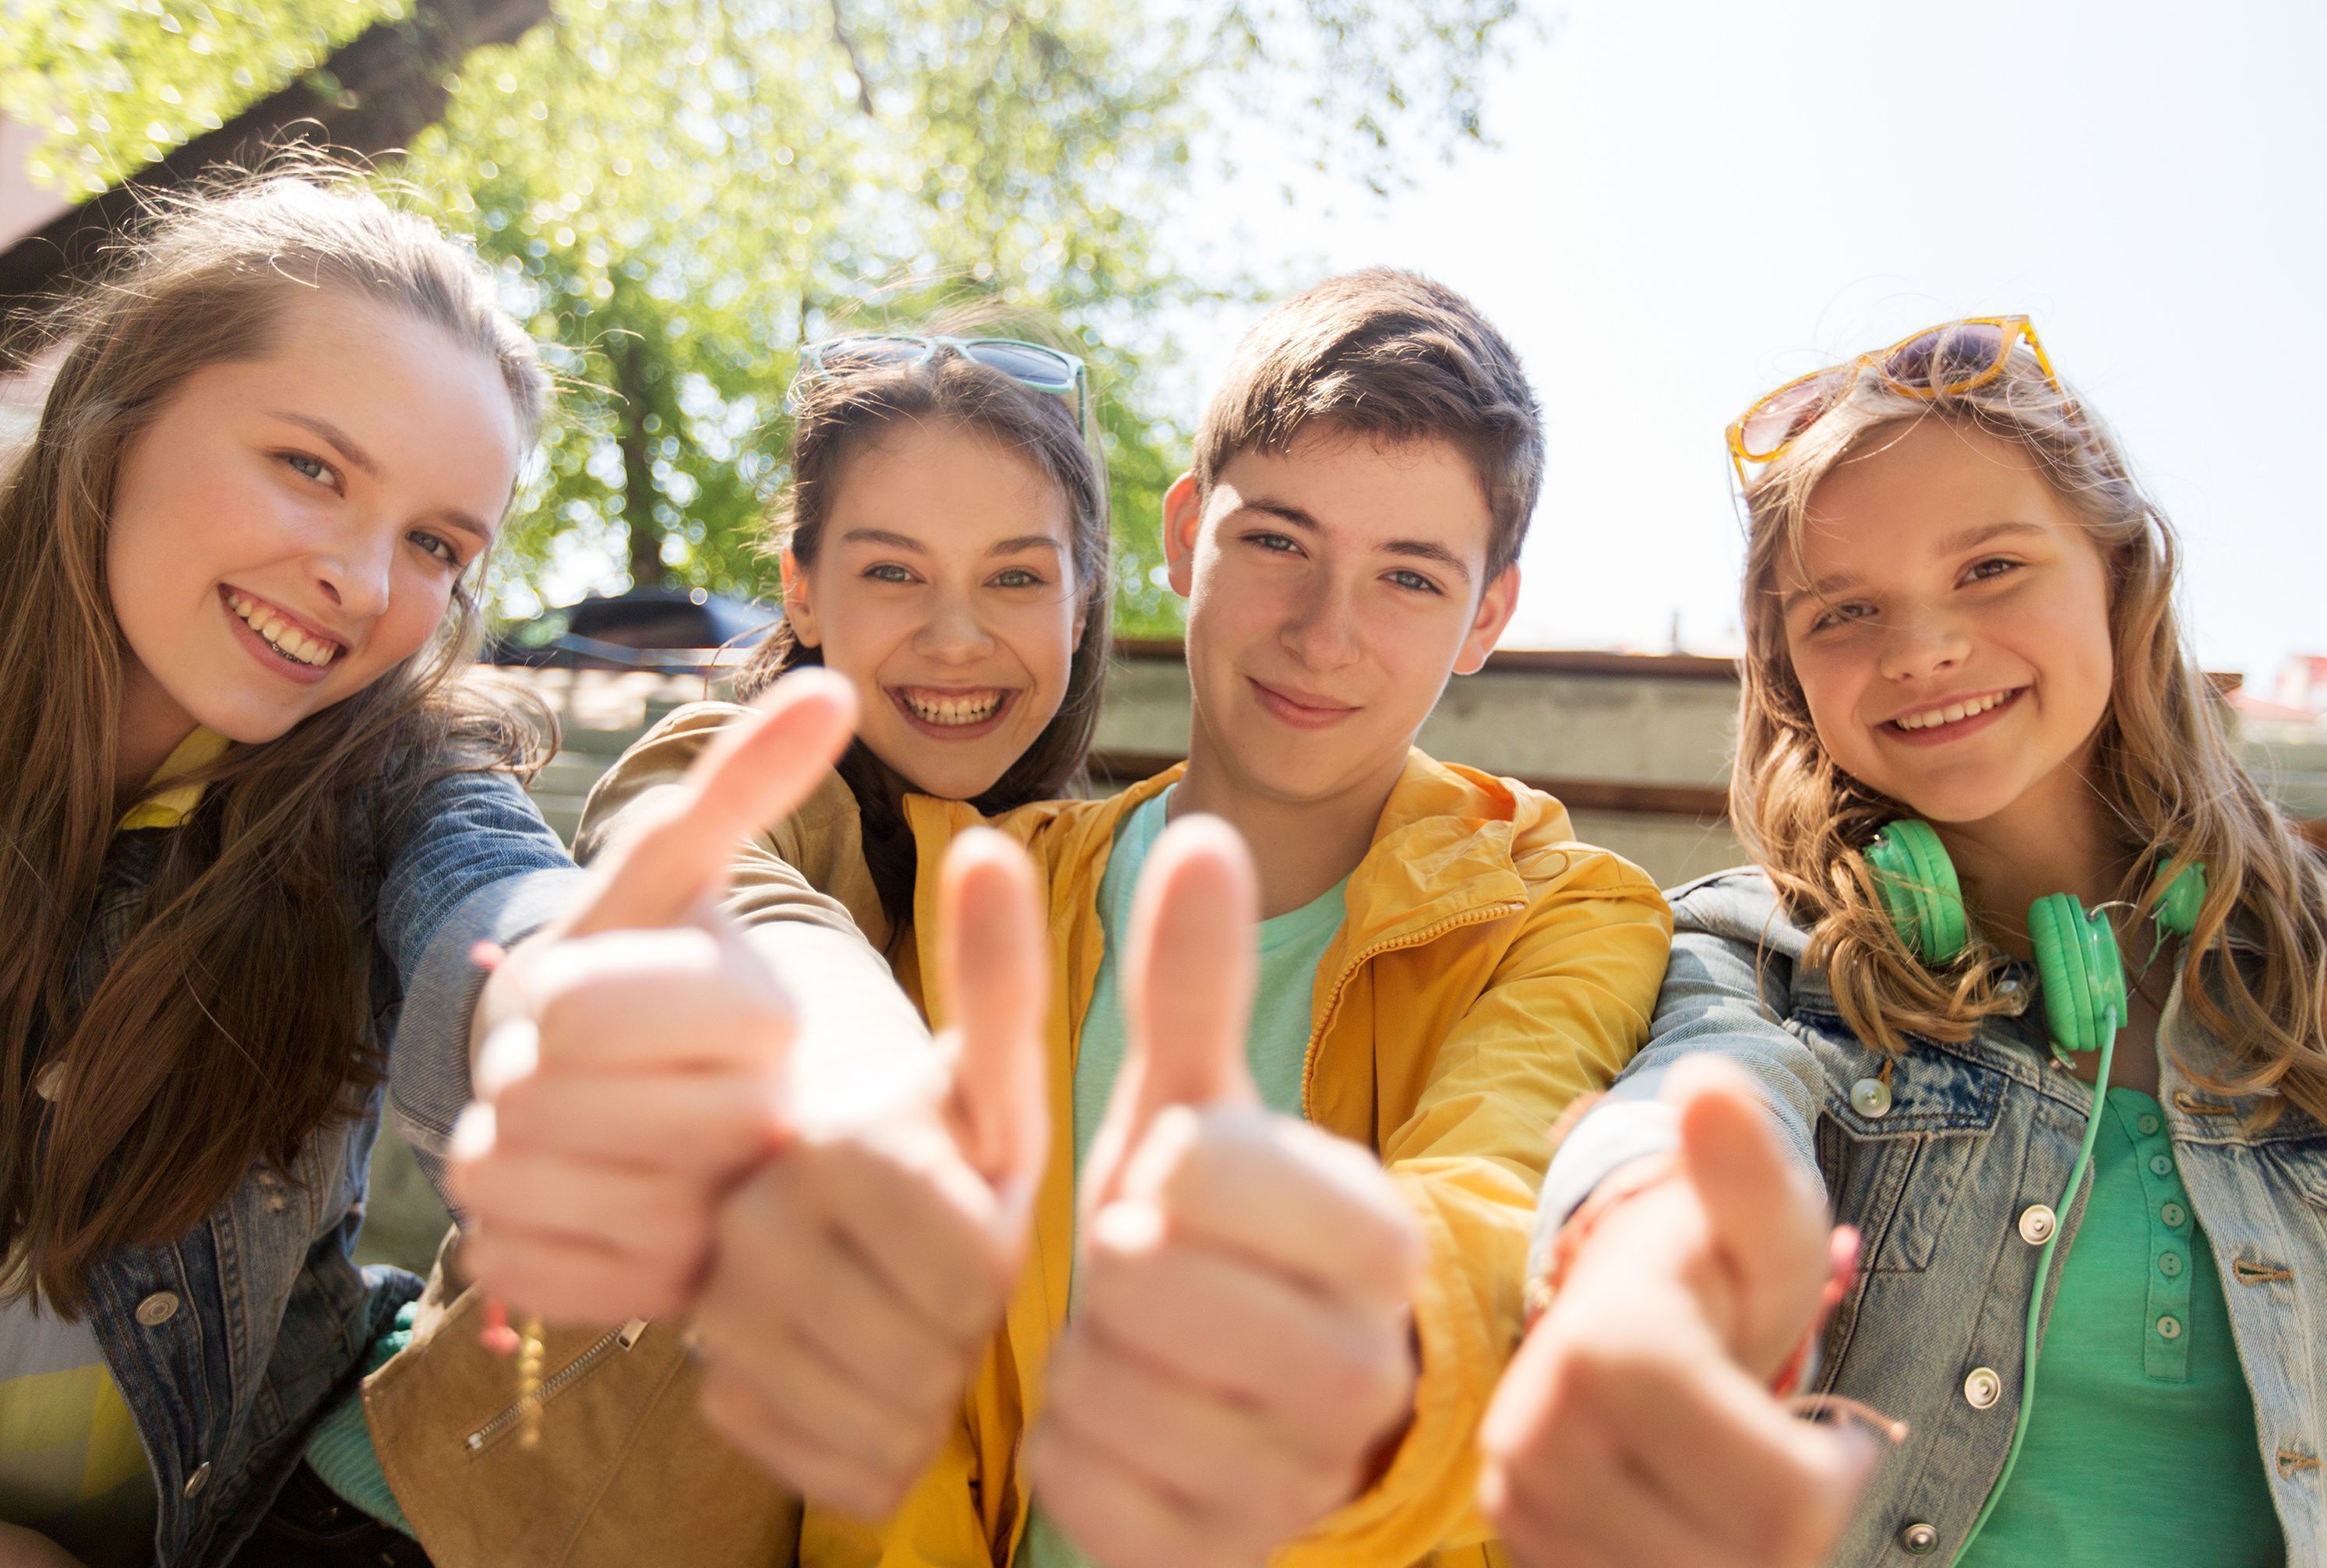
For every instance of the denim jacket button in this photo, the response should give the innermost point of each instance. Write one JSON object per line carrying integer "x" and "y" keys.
{"x": 1983, "y": 1387}
{"x": 196, "y": 1482}
{"x": 1870, "y": 1097}
{"x": 1919, "y": 1539}
{"x": 157, "y": 1309}
{"x": 2037, "y": 1223}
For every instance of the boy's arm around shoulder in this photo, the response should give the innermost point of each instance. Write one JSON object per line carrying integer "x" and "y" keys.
{"x": 1726, "y": 990}
{"x": 1565, "y": 1006}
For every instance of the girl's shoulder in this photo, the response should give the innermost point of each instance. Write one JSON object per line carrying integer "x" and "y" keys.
{"x": 1740, "y": 904}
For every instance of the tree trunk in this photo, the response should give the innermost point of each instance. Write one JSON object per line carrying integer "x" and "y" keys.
{"x": 638, "y": 475}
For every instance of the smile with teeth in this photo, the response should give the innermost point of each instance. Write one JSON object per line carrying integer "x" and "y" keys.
{"x": 951, "y": 707}
{"x": 282, "y": 636}
{"x": 1954, "y": 713}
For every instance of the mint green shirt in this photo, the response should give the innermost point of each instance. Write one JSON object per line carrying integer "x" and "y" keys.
{"x": 1276, "y": 1042}
{"x": 2141, "y": 1445}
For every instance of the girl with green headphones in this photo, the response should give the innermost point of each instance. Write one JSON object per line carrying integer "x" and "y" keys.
{"x": 2026, "y": 989}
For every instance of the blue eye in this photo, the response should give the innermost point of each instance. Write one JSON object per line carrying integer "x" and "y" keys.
{"x": 440, "y": 548}
{"x": 1414, "y": 581}
{"x": 307, "y": 465}
{"x": 1276, "y": 544}
{"x": 1016, "y": 577}
{"x": 888, "y": 572}
{"x": 1838, "y": 614}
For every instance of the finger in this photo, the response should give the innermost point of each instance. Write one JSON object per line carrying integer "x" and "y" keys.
{"x": 755, "y": 769}
{"x": 1235, "y": 1332}
{"x": 1182, "y": 1441}
{"x": 1284, "y": 1195}
{"x": 651, "y": 1218}
{"x": 1768, "y": 1215}
{"x": 928, "y": 1230}
{"x": 802, "y": 1462}
{"x": 1112, "y": 1515}
{"x": 660, "y": 1000}
{"x": 857, "y": 1420}
{"x": 994, "y": 958}
{"x": 1188, "y": 986}
{"x": 707, "y": 1123}
{"x": 566, "y": 1282}
{"x": 778, "y": 1263}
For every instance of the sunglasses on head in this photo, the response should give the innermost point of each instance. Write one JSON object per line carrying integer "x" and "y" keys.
{"x": 1942, "y": 361}
{"x": 1035, "y": 365}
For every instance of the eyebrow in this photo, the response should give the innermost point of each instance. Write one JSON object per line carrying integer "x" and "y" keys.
{"x": 348, "y": 447}
{"x": 1953, "y": 544}
{"x": 907, "y": 542}
{"x": 1413, "y": 549}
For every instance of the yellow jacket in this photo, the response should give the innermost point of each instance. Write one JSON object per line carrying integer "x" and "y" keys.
{"x": 1489, "y": 970}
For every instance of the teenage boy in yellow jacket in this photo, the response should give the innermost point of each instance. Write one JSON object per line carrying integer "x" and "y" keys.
{"x": 1286, "y": 1316}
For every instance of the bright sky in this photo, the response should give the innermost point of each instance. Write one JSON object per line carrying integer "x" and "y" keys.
{"x": 1694, "y": 199}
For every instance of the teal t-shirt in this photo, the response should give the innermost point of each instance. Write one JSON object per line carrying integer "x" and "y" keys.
{"x": 2141, "y": 1445}
{"x": 1276, "y": 1042}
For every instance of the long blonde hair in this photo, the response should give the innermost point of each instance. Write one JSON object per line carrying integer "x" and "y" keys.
{"x": 2254, "y": 970}
{"x": 234, "y": 1021}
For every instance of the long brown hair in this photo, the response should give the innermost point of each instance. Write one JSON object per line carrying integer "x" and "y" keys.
{"x": 835, "y": 413}
{"x": 233, "y": 1023}
{"x": 2254, "y": 970}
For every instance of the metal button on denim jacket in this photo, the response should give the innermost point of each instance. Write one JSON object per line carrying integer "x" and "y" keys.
{"x": 1949, "y": 1159}
{"x": 267, "y": 1314}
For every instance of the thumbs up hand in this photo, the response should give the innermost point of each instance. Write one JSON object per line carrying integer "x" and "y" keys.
{"x": 1240, "y": 1353}
{"x": 860, "y": 1274}
{"x": 633, "y": 1068}
{"x": 1635, "y": 1426}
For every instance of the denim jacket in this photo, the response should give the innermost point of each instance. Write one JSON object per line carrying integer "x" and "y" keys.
{"x": 228, "y": 1341}
{"x": 1937, "y": 1171}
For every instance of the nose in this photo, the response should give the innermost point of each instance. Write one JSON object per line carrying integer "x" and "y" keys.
{"x": 953, "y": 633}
{"x": 355, "y": 567}
{"x": 1322, "y": 632}
{"x": 1917, "y": 647}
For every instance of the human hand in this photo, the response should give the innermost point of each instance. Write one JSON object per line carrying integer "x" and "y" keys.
{"x": 634, "y": 1068}
{"x": 861, "y": 1272}
{"x": 1636, "y": 1425}
{"x": 1241, "y": 1352}
{"x": 23, "y": 1548}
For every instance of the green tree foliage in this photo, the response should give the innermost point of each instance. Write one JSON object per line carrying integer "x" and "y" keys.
{"x": 679, "y": 192}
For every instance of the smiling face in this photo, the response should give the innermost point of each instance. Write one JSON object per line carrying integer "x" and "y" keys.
{"x": 1332, "y": 587}
{"x": 1949, "y": 624}
{"x": 290, "y": 529}
{"x": 943, "y": 587}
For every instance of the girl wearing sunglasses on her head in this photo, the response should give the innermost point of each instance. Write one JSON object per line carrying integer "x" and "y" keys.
{"x": 2028, "y": 984}
{"x": 945, "y": 548}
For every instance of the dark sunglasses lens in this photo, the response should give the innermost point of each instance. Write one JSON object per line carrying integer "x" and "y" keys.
{"x": 1948, "y": 358}
{"x": 1786, "y": 412}
{"x": 1029, "y": 362}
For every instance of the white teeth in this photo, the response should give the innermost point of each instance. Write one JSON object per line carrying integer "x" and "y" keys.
{"x": 1952, "y": 714}
{"x": 954, "y": 710}
{"x": 280, "y": 634}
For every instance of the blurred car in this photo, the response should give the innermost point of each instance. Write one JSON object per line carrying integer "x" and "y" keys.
{"x": 665, "y": 629}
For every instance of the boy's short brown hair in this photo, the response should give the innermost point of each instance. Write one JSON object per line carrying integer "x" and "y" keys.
{"x": 1387, "y": 354}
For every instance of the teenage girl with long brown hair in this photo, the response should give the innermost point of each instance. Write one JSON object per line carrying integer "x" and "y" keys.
{"x": 2030, "y": 981}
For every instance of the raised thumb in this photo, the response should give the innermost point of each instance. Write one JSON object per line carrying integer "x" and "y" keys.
{"x": 1187, "y": 980}
{"x": 753, "y": 771}
{"x": 1768, "y": 1214}
{"x": 993, "y": 963}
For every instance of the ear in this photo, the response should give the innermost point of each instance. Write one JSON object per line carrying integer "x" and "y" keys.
{"x": 797, "y": 608}
{"x": 1496, "y": 606}
{"x": 1184, "y": 519}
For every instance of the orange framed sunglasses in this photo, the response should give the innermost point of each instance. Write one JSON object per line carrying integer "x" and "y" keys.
{"x": 1942, "y": 361}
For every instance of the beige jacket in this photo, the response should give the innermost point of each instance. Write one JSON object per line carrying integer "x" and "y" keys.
{"x": 625, "y": 1474}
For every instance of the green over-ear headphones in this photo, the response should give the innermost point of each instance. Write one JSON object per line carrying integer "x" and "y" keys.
{"x": 2085, "y": 1005}
{"x": 2077, "y": 968}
